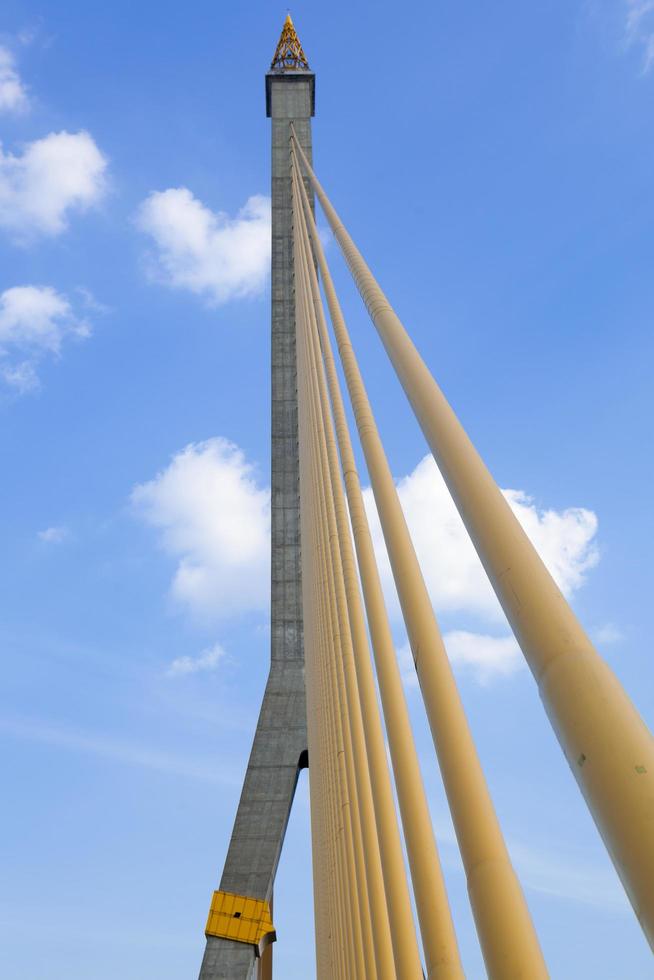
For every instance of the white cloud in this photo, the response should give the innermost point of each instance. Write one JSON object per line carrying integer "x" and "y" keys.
{"x": 608, "y": 634}
{"x": 38, "y": 317}
{"x": 13, "y": 94}
{"x": 565, "y": 540}
{"x": 454, "y": 575}
{"x": 53, "y": 535}
{"x": 485, "y": 657}
{"x": 217, "y": 257}
{"x": 60, "y": 173}
{"x": 214, "y": 518}
{"x": 207, "y": 660}
{"x": 34, "y": 322}
{"x": 639, "y": 29}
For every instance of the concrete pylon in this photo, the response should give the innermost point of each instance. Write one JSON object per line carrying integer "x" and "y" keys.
{"x": 279, "y": 750}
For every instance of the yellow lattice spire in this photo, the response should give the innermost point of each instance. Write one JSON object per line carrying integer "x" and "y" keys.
{"x": 289, "y": 55}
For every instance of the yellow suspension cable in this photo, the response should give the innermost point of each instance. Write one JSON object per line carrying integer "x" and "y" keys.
{"x": 339, "y": 640}
{"x": 607, "y": 744}
{"x": 365, "y": 843}
{"x": 402, "y": 928}
{"x": 508, "y": 939}
{"x": 327, "y": 791}
{"x": 337, "y": 735}
{"x": 437, "y": 930}
{"x": 345, "y": 575}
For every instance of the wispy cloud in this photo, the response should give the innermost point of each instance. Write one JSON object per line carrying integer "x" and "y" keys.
{"x": 207, "y": 660}
{"x": 13, "y": 93}
{"x": 115, "y": 750}
{"x": 548, "y": 872}
{"x": 608, "y": 635}
{"x": 34, "y": 323}
{"x": 206, "y": 252}
{"x": 552, "y": 874}
{"x": 90, "y": 302}
{"x": 53, "y": 535}
{"x": 639, "y": 29}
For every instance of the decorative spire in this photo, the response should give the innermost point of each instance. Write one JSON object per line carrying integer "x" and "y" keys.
{"x": 289, "y": 55}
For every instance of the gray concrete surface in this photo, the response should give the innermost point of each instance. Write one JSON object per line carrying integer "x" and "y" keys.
{"x": 280, "y": 741}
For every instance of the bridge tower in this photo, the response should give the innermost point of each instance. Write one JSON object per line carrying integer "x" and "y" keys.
{"x": 279, "y": 749}
{"x": 364, "y": 922}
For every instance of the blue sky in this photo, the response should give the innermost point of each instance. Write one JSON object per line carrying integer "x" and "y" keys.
{"x": 494, "y": 165}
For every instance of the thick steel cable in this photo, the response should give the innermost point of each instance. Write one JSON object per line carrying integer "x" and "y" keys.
{"x": 340, "y": 633}
{"x": 339, "y": 641}
{"x": 330, "y": 792}
{"x": 317, "y": 849}
{"x": 329, "y": 950}
{"x": 336, "y": 792}
{"x": 333, "y": 792}
{"x": 606, "y": 743}
{"x": 334, "y": 751}
{"x": 366, "y": 847}
{"x": 323, "y": 830}
{"x": 334, "y": 687}
{"x": 334, "y": 804}
{"x": 402, "y": 929}
{"x": 324, "y": 962}
{"x": 508, "y": 939}
{"x": 323, "y": 795}
{"x": 323, "y": 834}
{"x": 344, "y": 577}
{"x": 437, "y": 930}
{"x": 355, "y": 647}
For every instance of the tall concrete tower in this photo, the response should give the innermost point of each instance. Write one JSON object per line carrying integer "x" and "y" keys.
{"x": 236, "y": 924}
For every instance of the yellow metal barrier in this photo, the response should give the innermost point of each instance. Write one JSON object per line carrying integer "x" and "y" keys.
{"x": 246, "y": 920}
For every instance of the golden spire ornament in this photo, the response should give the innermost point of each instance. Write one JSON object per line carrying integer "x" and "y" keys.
{"x": 289, "y": 55}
